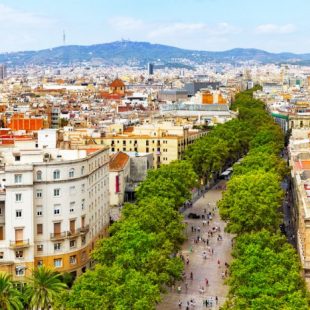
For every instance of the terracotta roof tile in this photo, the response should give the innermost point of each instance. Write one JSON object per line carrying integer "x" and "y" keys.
{"x": 118, "y": 161}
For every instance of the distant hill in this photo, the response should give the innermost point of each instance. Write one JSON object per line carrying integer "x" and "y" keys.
{"x": 139, "y": 53}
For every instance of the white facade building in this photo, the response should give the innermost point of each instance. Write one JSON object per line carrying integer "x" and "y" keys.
{"x": 54, "y": 204}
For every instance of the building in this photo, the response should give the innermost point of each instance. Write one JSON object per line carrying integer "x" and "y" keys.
{"x": 299, "y": 153}
{"x": 164, "y": 140}
{"x": 172, "y": 95}
{"x": 119, "y": 168}
{"x": 20, "y": 122}
{"x": 193, "y": 87}
{"x": 3, "y": 72}
{"x": 204, "y": 113}
{"x": 150, "y": 68}
{"x": 54, "y": 205}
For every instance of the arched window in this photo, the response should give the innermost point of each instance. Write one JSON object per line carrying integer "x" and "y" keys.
{"x": 71, "y": 173}
{"x": 56, "y": 174}
{"x": 39, "y": 175}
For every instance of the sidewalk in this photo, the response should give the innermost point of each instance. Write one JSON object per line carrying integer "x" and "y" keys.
{"x": 201, "y": 268}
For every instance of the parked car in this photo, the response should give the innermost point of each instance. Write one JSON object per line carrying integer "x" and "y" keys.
{"x": 193, "y": 216}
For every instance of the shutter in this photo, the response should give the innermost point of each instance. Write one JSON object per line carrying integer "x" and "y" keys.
{"x": 72, "y": 226}
{"x": 19, "y": 235}
{"x": 57, "y": 229}
{"x": 117, "y": 184}
{"x": 1, "y": 233}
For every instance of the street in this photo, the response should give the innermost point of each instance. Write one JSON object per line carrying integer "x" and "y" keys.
{"x": 206, "y": 268}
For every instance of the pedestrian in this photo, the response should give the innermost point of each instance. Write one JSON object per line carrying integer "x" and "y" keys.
{"x": 207, "y": 241}
{"x": 187, "y": 261}
{"x": 191, "y": 275}
{"x": 207, "y": 281}
{"x": 207, "y": 303}
{"x": 186, "y": 286}
{"x": 216, "y": 300}
{"x": 223, "y": 274}
{"x": 219, "y": 263}
{"x": 192, "y": 228}
{"x": 179, "y": 289}
{"x": 180, "y": 304}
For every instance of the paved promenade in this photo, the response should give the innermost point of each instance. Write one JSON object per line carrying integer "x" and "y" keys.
{"x": 206, "y": 268}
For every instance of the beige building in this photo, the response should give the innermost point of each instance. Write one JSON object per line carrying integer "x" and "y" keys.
{"x": 166, "y": 141}
{"x": 299, "y": 151}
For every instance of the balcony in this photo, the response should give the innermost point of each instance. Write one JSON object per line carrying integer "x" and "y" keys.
{"x": 84, "y": 230}
{"x": 59, "y": 236}
{"x": 73, "y": 233}
{"x": 18, "y": 244}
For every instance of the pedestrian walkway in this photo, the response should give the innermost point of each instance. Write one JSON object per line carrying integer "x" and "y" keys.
{"x": 208, "y": 270}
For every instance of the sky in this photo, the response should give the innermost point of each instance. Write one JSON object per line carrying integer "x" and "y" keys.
{"x": 214, "y": 25}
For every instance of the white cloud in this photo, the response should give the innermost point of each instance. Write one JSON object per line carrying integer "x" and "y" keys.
{"x": 16, "y": 17}
{"x": 276, "y": 29}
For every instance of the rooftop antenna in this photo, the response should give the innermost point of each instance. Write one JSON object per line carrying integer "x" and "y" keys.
{"x": 64, "y": 38}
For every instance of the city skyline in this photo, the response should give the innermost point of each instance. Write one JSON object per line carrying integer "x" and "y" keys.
{"x": 199, "y": 25}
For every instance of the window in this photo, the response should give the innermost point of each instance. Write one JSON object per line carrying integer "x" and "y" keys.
{"x": 18, "y": 197}
{"x": 40, "y": 247}
{"x": 18, "y": 213}
{"x": 56, "y": 192}
{"x": 57, "y": 209}
{"x": 83, "y": 188}
{"x": 40, "y": 263}
{"x": 39, "y": 211}
{"x": 39, "y": 175}
{"x": 72, "y": 204}
{"x": 20, "y": 271}
{"x": 19, "y": 254}
{"x": 72, "y": 190}
{"x": 39, "y": 229}
{"x": 82, "y": 170}
{"x": 83, "y": 240}
{"x": 57, "y": 246}
{"x": 17, "y": 178}
{"x": 39, "y": 193}
{"x": 1, "y": 211}
{"x": 83, "y": 204}
{"x": 57, "y": 262}
{"x": 72, "y": 244}
{"x": 17, "y": 158}
{"x": 1, "y": 255}
{"x": 72, "y": 259}
{"x": 71, "y": 173}
{"x": 56, "y": 174}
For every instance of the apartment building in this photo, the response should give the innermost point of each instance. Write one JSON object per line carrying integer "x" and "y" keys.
{"x": 54, "y": 205}
{"x": 299, "y": 151}
{"x": 166, "y": 141}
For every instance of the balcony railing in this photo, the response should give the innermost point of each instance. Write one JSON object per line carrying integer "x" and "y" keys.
{"x": 59, "y": 236}
{"x": 70, "y": 234}
{"x": 19, "y": 243}
{"x": 84, "y": 229}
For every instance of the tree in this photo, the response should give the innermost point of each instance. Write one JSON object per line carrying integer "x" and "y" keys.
{"x": 265, "y": 274}
{"x": 43, "y": 288}
{"x": 10, "y": 297}
{"x": 251, "y": 202}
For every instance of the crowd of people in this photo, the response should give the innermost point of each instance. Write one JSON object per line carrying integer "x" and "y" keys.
{"x": 205, "y": 237}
